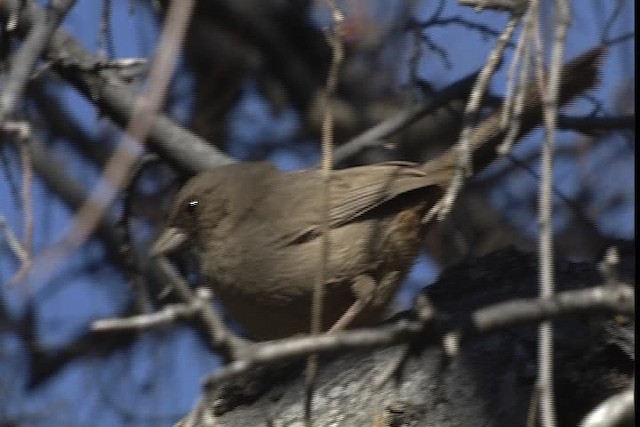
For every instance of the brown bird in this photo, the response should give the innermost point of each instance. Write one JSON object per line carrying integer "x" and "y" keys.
{"x": 257, "y": 231}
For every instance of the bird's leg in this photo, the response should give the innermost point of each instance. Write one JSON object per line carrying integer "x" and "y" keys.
{"x": 401, "y": 245}
{"x": 363, "y": 287}
{"x": 367, "y": 293}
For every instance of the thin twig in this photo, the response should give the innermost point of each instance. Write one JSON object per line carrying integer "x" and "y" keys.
{"x": 334, "y": 37}
{"x": 219, "y": 335}
{"x": 507, "y": 104}
{"x": 463, "y": 146}
{"x": 13, "y": 242}
{"x": 23, "y": 62}
{"x": 515, "y": 103}
{"x": 116, "y": 173}
{"x": 157, "y": 270}
{"x": 545, "y": 206}
{"x": 103, "y": 86}
{"x": 25, "y": 196}
{"x": 165, "y": 316}
{"x": 479, "y": 89}
{"x": 21, "y": 132}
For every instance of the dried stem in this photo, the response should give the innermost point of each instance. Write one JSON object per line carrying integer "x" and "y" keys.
{"x": 547, "y": 284}
{"x": 334, "y": 38}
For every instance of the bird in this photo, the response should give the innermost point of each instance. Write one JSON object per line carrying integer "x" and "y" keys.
{"x": 257, "y": 232}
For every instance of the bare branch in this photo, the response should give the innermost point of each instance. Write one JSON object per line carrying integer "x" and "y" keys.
{"x": 103, "y": 87}
{"x": 116, "y": 172}
{"x": 615, "y": 299}
{"x": 167, "y": 315}
{"x": 24, "y": 60}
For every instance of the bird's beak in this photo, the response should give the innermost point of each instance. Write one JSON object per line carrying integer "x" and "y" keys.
{"x": 171, "y": 239}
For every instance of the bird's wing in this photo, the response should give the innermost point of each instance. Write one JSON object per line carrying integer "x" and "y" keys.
{"x": 353, "y": 193}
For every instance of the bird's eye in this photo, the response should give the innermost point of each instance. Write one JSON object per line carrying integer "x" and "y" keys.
{"x": 192, "y": 205}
